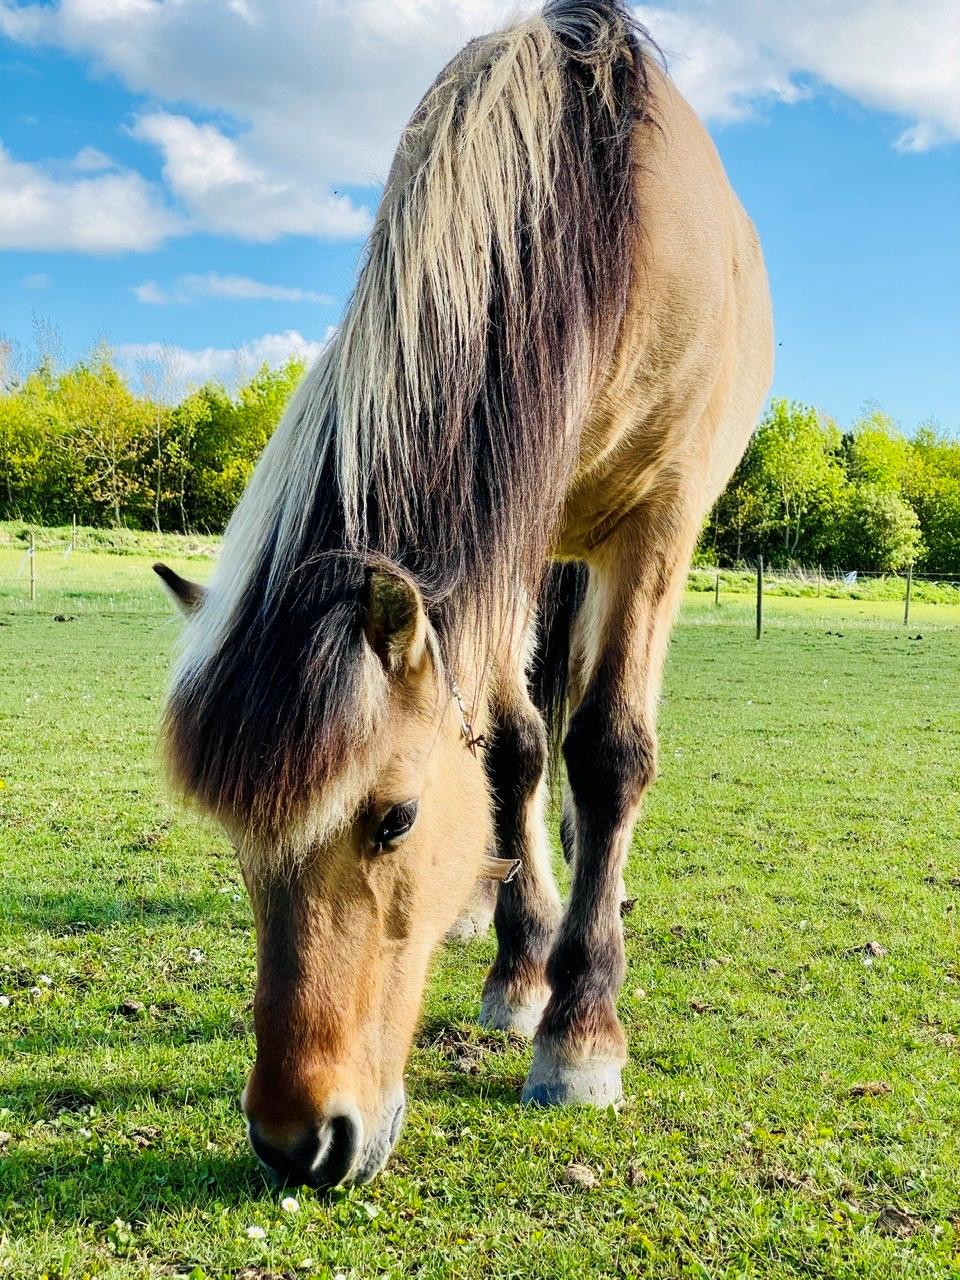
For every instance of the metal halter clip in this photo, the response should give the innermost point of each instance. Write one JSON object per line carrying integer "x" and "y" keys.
{"x": 466, "y": 728}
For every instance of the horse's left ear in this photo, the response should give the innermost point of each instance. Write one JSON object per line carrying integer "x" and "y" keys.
{"x": 394, "y": 620}
{"x": 187, "y": 596}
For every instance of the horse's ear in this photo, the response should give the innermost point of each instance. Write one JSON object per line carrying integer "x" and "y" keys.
{"x": 394, "y": 620}
{"x": 187, "y": 596}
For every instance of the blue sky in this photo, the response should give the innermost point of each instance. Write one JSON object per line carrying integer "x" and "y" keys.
{"x": 202, "y": 174}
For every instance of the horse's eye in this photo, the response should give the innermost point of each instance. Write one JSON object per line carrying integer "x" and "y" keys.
{"x": 394, "y": 825}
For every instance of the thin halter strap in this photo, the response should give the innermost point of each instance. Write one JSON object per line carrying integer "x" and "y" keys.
{"x": 504, "y": 870}
{"x": 472, "y": 740}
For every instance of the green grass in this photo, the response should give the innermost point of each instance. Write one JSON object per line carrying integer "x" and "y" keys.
{"x": 808, "y": 805}
{"x": 120, "y": 541}
{"x": 882, "y": 587}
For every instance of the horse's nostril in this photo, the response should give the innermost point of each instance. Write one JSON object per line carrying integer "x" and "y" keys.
{"x": 321, "y": 1157}
{"x": 334, "y": 1162}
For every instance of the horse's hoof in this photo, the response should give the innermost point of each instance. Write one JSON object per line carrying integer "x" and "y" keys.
{"x": 474, "y": 923}
{"x": 521, "y": 1017}
{"x": 555, "y": 1083}
{"x": 476, "y": 917}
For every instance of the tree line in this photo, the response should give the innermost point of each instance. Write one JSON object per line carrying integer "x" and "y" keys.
{"x": 81, "y": 442}
{"x": 871, "y": 498}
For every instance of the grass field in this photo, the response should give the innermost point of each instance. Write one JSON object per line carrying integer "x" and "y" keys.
{"x": 797, "y": 875}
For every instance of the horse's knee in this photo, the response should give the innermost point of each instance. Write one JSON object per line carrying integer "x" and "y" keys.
{"x": 611, "y": 759}
{"x": 517, "y": 759}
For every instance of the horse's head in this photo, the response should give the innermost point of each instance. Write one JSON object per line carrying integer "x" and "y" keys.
{"x": 346, "y": 926}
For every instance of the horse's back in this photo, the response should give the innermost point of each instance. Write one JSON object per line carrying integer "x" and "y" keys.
{"x": 695, "y": 360}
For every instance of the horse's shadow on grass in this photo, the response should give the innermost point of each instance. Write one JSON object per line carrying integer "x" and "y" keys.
{"x": 44, "y": 1099}
{"x": 478, "y": 1065}
{"x": 501, "y": 1094}
{"x": 126, "y": 1168}
{"x": 63, "y": 914}
{"x": 97, "y": 1186}
{"x": 105, "y": 1179}
{"x": 138, "y": 1036}
{"x": 89, "y": 1189}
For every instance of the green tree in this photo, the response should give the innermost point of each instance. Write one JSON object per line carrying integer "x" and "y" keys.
{"x": 790, "y": 483}
{"x": 938, "y": 509}
{"x": 879, "y": 454}
{"x": 80, "y": 441}
{"x": 109, "y": 430}
{"x": 231, "y": 434}
{"x": 881, "y": 531}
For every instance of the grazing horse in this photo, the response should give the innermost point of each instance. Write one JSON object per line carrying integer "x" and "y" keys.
{"x": 487, "y": 488}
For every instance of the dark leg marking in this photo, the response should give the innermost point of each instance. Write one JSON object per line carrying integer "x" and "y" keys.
{"x": 610, "y": 760}
{"x": 528, "y": 909}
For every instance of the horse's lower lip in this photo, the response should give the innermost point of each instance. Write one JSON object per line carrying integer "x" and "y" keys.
{"x": 380, "y": 1146}
{"x": 396, "y": 1122}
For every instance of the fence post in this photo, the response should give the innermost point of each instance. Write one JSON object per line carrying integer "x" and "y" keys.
{"x": 759, "y": 596}
{"x": 73, "y": 536}
{"x": 906, "y": 600}
{"x": 33, "y": 570}
{"x": 716, "y": 590}
{"x": 819, "y": 579}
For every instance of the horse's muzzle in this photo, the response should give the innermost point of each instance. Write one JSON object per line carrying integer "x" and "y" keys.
{"x": 331, "y": 1152}
{"x": 322, "y": 1156}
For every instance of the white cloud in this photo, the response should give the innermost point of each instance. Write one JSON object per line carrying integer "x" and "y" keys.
{"x": 194, "y": 288}
{"x": 151, "y": 293}
{"x": 321, "y": 88}
{"x": 37, "y": 280}
{"x": 312, "y": 94}
{"x": 228, "y": 192}
{"x": 177, "y": 369}
{"x": 904, "y": 59}
{"x": 91, "y": 160}
{"x": 921, "y": 137}
{"x": 103, "y": 213}
{"x": 723, "y": 77}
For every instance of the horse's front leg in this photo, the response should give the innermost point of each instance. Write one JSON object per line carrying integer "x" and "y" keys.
{"x": 528, "y": 908}
{"x": 610, "y": 751}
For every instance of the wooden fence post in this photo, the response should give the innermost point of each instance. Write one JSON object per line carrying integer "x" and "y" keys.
{"x": 73, "y": 536}
{"x": 716, "y": 590}
{"x": 759, "y": 596}
{"x": 33, "y": 570}
{"x": 906, "y": 599}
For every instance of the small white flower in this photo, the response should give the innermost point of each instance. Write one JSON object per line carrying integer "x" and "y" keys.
{"x": 36, "y": 991}
{"x": 4, "y": 1002}
{"x": 45, "y": 980}
{"x": 290, "y": 1205}
{"x": 255, "y": 1233}
{"x": 196, "y": 955}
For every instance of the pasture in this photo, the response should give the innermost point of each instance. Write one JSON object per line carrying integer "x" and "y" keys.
{"x": 793, "y": 1093}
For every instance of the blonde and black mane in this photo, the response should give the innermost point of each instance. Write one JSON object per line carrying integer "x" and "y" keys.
{"x": 438, "y": 430}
